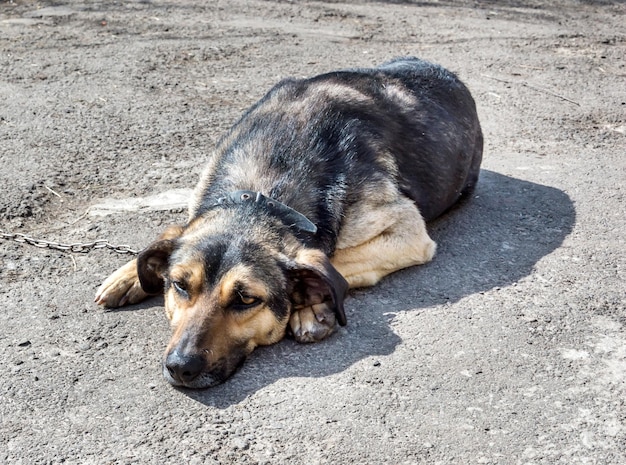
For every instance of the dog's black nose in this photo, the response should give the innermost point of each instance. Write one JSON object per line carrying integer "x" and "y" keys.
{"x": 184, "y": 368}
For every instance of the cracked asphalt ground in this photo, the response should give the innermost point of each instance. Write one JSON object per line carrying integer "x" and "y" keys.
{"x": 509, "y": 348}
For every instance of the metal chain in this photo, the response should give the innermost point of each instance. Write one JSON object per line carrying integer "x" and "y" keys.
{"x": 77, "y": 247}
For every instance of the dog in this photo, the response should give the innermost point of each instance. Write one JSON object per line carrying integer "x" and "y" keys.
{"x": 323, "y": 185}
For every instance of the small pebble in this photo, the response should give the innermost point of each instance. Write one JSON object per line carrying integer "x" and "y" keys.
{"x": 240, "y": 444}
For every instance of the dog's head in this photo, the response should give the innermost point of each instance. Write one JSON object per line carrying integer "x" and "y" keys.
{"x": 227, "y": 293}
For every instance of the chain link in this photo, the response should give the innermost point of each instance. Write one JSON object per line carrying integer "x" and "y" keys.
{"x": 76, "y": 247}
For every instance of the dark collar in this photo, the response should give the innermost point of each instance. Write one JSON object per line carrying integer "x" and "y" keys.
{"x": 287, "y": 215}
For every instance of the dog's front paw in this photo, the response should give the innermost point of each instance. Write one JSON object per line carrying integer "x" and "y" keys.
{"x": 312, "y": 324}
{"x": 121, "y": 288}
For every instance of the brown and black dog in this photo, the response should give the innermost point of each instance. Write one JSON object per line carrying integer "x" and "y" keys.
{"x": 324, "y": 184}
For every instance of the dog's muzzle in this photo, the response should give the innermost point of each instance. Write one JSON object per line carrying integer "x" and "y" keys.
{"x": 183, "y": 369}
{"x": 192, "y": 370}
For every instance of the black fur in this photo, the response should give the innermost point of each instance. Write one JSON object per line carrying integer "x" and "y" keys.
{"x": 336, "y": 145}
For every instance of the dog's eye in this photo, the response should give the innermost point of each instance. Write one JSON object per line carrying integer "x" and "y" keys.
{"x": 181, "y": 288}
{"x": 243, "y": 301}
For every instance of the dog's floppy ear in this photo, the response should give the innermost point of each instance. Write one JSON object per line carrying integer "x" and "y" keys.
{"x": 313, "y": 280}
{"x": 153, "y": 261}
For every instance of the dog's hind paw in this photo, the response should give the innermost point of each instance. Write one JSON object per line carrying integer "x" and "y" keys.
{"x": 121, "y": 288}
{"x": 312, "y": 324}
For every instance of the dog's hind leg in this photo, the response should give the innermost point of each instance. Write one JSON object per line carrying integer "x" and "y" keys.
{"x": 378, "y": 241}
{"x": 398, "y": 240}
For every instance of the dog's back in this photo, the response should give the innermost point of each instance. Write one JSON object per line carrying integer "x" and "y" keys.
{"x": 439, "y": 160}
{"x": 322, "y": 145}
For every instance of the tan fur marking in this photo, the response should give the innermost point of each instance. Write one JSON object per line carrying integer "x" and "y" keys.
{"x": 399, "y": 94}
{"x": 310, "y": 257}
{"x": 240, "y": 275}
{"x": 402, "y": 243}
{"x": 171, "y": 232}
{"x": 388, "y": 162}
{"x": 336, "y": 91}
{"x": 379, "y": 209}
{"x": 259, "y": 326}
{"x": 308, "y": 104}
{"x": 173, "y": 311}
{"x": 192, "y": 275}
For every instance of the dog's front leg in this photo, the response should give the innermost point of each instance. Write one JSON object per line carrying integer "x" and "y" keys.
{"x": 121, "y": 288}
{"x": 313, "y": 323}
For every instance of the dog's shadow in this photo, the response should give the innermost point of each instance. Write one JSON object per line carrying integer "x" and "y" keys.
{"x": 493, "y": 240}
